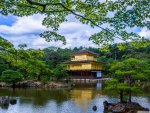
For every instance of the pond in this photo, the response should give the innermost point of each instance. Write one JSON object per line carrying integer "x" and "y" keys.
{"x": 79, "y": 99}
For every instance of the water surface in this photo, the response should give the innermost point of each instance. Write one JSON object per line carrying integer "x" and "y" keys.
{"x": 79, "y": 99}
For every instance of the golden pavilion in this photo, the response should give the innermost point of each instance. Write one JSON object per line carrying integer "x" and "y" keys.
{"x": 84, "y": 65}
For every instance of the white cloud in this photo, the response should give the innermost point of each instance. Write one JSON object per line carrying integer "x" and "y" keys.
{"x": 26, "y": 30}
{"x": 77, "y": 39}
{"x": 145, "y": 33}
{"x": 71, "y": 27}
{"x": 24, "y": 25}
{"x": 39, "y": 42}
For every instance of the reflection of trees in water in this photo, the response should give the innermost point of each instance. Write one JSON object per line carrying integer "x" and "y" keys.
{"x": 37, "y": 96}
{"x": 81, "y": 93}
{"x": 41, "y": 96}
{"x": 4, "y": 107}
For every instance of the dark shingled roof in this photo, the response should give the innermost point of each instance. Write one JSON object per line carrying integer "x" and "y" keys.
{"x": 83, "y": 61}
{"x": 83, "y": 52}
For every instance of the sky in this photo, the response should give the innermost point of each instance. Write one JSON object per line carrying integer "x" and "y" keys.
{"x": 20, "y": 30}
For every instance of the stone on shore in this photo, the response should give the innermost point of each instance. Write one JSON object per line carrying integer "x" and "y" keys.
{"x": 37, "y": 84}
{"x": 30, "y": 83}
{"x": 55, "y": 85}
{"x": 3, "y": 84}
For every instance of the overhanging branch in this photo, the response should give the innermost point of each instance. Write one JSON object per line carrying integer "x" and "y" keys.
{"x": 60, "y": 4}
{"x": 36, "y": 3}
{"x": 66, "y": 9}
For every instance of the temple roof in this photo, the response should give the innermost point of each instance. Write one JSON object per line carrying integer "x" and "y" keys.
{"x": 83, "y": 52}
{"x": 83, "y": 61}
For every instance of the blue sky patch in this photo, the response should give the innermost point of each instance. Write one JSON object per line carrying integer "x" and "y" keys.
{"x": 7, "y": 20}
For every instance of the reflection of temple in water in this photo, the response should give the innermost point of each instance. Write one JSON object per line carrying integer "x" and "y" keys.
{"x": 99, "y": 85}
{"x": 83, "y": 96}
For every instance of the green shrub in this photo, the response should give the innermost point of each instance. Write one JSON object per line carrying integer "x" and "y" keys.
{"x": 11, "y": 77}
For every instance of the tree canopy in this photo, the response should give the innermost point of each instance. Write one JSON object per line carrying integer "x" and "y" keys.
{"x": 127, "y": 74}
{"x": 4, "y": 44}
{"x": 118, "y": 15}
{"x": 11, "y": 77}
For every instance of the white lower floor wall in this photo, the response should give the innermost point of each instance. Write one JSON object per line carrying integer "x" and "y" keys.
{"x": 98, "y": 73}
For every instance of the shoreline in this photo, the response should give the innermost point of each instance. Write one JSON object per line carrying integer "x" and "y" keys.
{"x": 52, "y": 84}
{"x": 36, "y": 84}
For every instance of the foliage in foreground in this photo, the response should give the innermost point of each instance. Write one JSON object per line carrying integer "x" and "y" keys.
{"x": 127, "y": 75}
{"x": 126, "y": 14}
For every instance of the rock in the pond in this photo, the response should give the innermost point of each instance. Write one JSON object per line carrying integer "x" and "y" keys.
{"x": 105, "y": 103}
{"x": 13, "y": 101}
{"x": 118, "y": 108}
{"x": 4, "y": 101}
{"x": 123, "y": 107}
{"x": 94, "y": 108}
{"x": 110, "y": 107}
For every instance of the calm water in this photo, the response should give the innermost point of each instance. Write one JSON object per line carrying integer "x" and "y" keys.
{"x": 79, "y": 99}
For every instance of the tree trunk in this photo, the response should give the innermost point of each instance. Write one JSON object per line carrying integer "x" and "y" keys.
{"x": 121, "y": 96}
{"x": 25, "y": 74}
{"x": 13, "y": 86}
{"x": 130, "y": 97}
{"x": 129, "y": 83}
{"x": 39, "y": 77}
